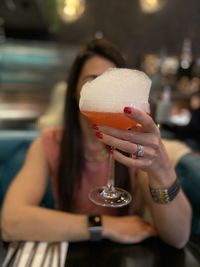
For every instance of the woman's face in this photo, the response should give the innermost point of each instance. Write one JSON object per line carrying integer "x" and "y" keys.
{"x": 93, "y": 67}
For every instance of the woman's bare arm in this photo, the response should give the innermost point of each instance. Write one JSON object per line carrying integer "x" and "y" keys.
{"x": 23, "y": 219}
{"x": 172, "y": 220}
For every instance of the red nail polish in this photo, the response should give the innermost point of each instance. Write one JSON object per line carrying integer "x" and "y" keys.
{"x": 127, "y": 110}
{"x": 95, "y": 127}
{"x": 99, "y": 135}
{"x": 111, "y": 150}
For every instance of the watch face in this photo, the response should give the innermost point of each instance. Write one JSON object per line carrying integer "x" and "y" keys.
{"x": 94, "y": 220}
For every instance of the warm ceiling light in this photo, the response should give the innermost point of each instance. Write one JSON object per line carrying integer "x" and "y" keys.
{"x": 152, "y": 2}
{"x": 151, "y": 6}
{"x": 71, "y": 10}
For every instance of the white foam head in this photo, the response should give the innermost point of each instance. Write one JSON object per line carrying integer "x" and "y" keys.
{"x": 115, "y": 89}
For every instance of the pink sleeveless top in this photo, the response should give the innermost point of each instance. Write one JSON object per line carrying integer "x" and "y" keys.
{"x": 94, "y": 175}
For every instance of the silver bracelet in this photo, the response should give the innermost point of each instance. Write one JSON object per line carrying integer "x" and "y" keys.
{"x": 164, "y": 196}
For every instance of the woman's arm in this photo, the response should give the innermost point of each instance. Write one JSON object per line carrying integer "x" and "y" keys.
{"x": 172, "y": 220}
{"x": 23, "y": 219}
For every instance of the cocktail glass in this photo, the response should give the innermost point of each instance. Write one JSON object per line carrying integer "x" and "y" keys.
{"x": 111, "y": 196}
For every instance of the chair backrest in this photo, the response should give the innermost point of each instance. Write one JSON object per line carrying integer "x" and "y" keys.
{"x": 13, "y": 148}
{"x": 188, "y": 171}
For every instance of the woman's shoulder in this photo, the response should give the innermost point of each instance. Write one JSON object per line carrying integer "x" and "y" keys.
{"x": 51, "y": 139}
{"x": 52, "y": 134}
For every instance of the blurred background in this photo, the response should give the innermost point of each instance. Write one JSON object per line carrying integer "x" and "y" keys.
{"x": 39, "y": 39}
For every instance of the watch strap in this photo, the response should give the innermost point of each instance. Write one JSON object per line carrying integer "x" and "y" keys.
{"x": 95, "y": 227}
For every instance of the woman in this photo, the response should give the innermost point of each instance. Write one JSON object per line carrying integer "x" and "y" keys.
{"x": 77, "y": 161}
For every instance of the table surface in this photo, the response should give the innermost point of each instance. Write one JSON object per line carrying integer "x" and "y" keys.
{"x": 150, "y": 253}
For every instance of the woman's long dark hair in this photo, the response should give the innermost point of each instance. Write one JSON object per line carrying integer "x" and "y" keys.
{"x": 72, "y": 160}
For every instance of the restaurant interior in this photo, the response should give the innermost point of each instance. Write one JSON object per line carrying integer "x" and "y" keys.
{"x": 39, "y": 40}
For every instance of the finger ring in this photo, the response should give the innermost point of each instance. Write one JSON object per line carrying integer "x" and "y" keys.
{"x": 140, "y": 151}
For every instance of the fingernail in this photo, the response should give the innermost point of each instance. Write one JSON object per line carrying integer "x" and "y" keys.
{"x": 95, "y": 127}
{"x": 111, "y": 150}
{"x": 127, "y": 110}
{"x": 99, "y": 135}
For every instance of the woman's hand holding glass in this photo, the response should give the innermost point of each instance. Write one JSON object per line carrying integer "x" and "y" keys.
{"x": 102, "y": 102}
{"x": 145, "y": 147}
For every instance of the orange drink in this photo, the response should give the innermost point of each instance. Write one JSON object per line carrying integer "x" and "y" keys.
{"x": 115, "y": 120}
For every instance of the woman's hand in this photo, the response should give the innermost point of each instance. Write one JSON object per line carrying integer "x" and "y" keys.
{"x": 152, "y": 157}
{"x": 127, "y": 229}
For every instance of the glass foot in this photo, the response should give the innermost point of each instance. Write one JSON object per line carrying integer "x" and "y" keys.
{"x": 115, "y": 198}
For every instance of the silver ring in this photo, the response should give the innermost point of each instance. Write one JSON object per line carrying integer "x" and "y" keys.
{"x": 140, "y": 151}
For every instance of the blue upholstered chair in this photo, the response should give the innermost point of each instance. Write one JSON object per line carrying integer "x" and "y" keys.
{"x": 188, "y": 171}
{"x": 13, "y": 149}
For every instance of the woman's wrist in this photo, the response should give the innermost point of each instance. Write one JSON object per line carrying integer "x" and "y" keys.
{"x": 162, "y": 179}
{"x": 106, "y": 222}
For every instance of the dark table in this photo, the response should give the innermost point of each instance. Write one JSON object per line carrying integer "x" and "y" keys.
{"x": 150, "y": 253}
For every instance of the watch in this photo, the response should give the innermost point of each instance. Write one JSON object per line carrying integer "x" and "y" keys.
{"x": 95, "y": 227}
